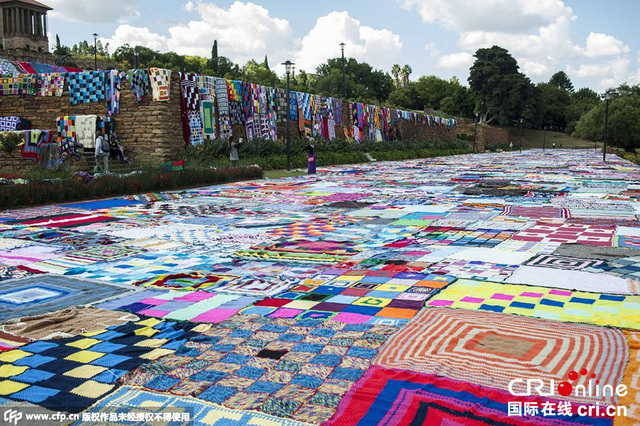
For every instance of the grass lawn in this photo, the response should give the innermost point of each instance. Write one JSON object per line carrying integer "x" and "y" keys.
{"x": 277, "y": 174}
{"x": 533, "y": 138}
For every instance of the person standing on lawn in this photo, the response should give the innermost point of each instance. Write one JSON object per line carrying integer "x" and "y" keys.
{"x": 311, "y": 157}
{"x": 233, "y": 147}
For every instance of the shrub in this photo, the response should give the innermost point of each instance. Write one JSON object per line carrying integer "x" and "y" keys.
{"x": 43, "y": 192}
{"x": 10, "y": 141}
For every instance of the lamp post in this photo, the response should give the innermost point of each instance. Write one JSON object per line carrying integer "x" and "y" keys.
{"x": 288, "y": 65}
{"x": 475, "y": 135}
{"x": 95, "y": 51}
{"x": 544, "y": 139}
{"x": 521, "y": 120}
{"x": 606, "y": 121}
{"x": 344, "y": 81}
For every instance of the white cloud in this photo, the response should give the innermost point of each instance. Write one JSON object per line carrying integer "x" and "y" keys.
{"x": 135, "y": 36}
{"x": 611, "y": 73}
{"x": 380, "y": 48}
{"x": 599, "y": 44}
{"x": 510, "y": 16}
{"x": 94, "y": 11}
{"x": 456, "y": 60}
{"x": 539, "y": 34}
{"x": 244, "y": 31}
{"x": 431, "y": 48}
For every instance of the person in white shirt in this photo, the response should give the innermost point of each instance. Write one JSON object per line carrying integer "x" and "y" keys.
{"x": 101, "y": 153}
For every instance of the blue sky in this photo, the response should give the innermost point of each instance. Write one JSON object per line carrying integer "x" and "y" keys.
{"x": 594, "y": 42}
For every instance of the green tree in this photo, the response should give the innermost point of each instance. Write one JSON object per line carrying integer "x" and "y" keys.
{"x": 624, "y": 120}
{"x": 395, "y": 72}
{"x": 496, "y": 82}
{"x": 213, "y": 64}
{"x": 582, "y": 101}
{"x": 562, "y": 81}
{"x": 259, "y": 74}
{"x": 556, "y": 101}
{"x": 362, "y": 81}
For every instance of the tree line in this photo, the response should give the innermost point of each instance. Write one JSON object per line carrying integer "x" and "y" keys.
{"x": 497, "y": 93}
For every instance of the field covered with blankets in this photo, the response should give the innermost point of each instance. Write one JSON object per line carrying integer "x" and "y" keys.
{"x": 437, "y": 291}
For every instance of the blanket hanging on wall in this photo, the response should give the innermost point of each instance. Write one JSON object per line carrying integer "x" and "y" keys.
{"x": 86, "y": 130}
{"x": 50, "y": 84}
{"x": 195, "y": 125}
{"x": 114, "y": 80}
{"x": 85, "y": 87}
{"x": 190, "y": 91}
{"x": 139, "y": 81}
{"x": 7, "y": 68}
{"x": 208, "y": 113}
{"x": 222, "y": 96}
{"x": 160, "y": 80}
{"x": 18, "y": 84}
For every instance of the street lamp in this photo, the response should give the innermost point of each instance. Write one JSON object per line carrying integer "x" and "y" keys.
{"x": 475, "y": 134}
{"x": 606, "y": 121}
{"x": 95, "y": 51}
{"x": 288, "y": 65}
{"x": 521, "y": 120}
{"x": 344, "y": 82}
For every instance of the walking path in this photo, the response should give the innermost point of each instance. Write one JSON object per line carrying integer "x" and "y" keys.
{"x": 424, "y": 291}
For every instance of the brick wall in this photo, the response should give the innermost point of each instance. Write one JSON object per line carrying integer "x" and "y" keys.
{"x": 150, "y": 130}
{"x": 491, "y": 135}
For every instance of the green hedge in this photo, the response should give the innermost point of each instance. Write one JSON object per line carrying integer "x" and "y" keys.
{"x": 271, "y": 155}
{"x": 59, "y": 191}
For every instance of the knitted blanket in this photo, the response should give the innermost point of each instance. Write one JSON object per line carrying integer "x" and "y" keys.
{"x": 190, "y": 91}
{"x": 86, "y": 130}
{"x": 114, "y": 81}
{"x": 85, "y": 87}
{"x": 139, "y": 81}
{"x": 9, "y": 124}
{"x": 50, "y": 84}
{"x": 160, "y": 80}
{"x": 222, "y": 96}
{"x": 18, "y": 84}
{"x": 208, "y": 114}
{"x": 7, "y": 68}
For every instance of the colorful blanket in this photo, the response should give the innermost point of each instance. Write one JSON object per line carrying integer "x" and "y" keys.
{"x": 86, "y": 86}
{"x": 50, "y": 84}
{"x": 71, "y": 374}
{"x": 492, "y": 349}
{"x": 398, "y": 397}
{"x": 40, "y": 294}
{"x": 139, "y": 81}
{"x": 160, "y": 80}
{"x": 542, "y": 302}
{"x": 296, "y": 369}
{"x": 19, "y": 84}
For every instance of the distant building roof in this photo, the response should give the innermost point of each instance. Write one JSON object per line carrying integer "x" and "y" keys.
{"x": 27, "y": 2}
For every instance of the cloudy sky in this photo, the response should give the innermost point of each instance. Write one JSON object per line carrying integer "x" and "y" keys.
{"x": 594, "y": 42}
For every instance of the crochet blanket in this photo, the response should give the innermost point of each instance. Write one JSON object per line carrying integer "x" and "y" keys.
{"x": 160, "y": 80}
{"x": 18, "y": 84}
{"x": 85, "y": 87}
{"x": 50, "y": 84}
{"x": 139, "y": 81}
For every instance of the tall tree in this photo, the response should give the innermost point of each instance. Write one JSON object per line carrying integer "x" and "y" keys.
{"x": 213, "y": 64}
{"x": 556, "y": 101}
{"x": 362, "y": 81}
{"x": 266, "y": 62}
{"x": 395, "y": 72}
{"x": 562, "y": 81}
{"x": 406, "y": 72}
{"x": 496, "y": 83}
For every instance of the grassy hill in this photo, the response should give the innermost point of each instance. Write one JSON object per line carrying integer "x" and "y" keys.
{"x": 533, "y": 138}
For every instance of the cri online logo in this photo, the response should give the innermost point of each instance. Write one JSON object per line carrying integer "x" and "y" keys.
{"x": 565, "y": 388}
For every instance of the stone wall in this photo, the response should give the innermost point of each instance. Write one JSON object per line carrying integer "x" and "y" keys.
{"x": 492, "y": 135}
{"x": 150, "y": 130}
{"x": 86, "y": 63}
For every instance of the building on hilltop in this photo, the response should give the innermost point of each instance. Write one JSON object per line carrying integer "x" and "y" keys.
{"x": 24, "y": 25}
